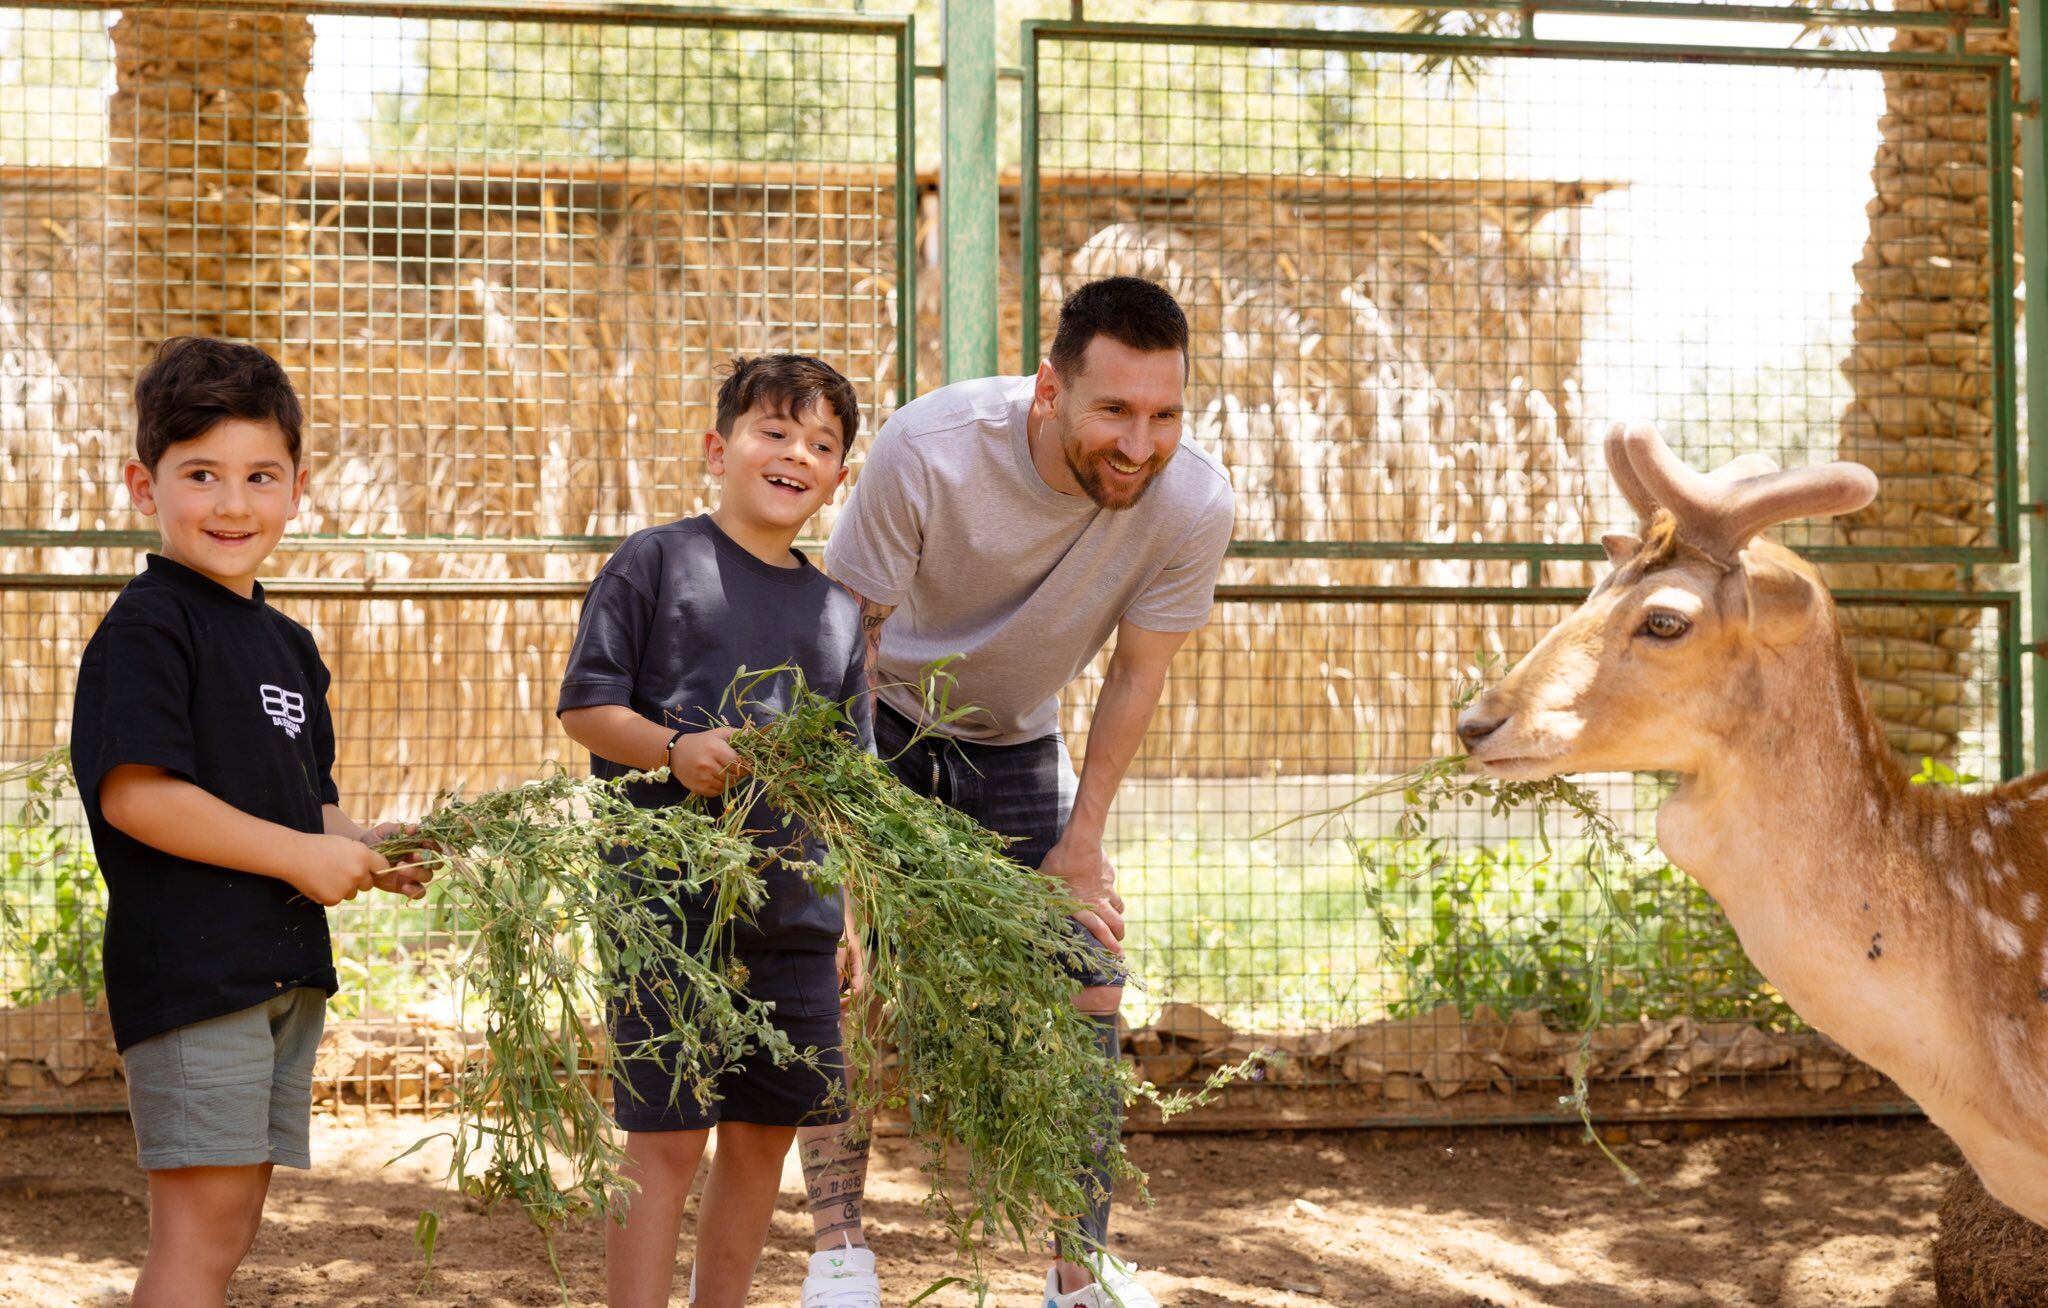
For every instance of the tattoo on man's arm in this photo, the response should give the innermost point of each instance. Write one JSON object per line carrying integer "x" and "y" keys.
{"x": 872, "y": 616}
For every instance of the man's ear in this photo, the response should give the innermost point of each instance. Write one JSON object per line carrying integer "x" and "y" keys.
{"x": 1620, "y": 547}
{"x": 1778, "y": 599}
{"x": 1046, "y": 390}
{"x": 714, "y": 453}
{"x": 298, "y": 489}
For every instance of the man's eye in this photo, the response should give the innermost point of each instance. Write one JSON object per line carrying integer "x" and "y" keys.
{"x": 202, "y": 475}
{"x": 1664, "y": 625}
{"x": 261, "y": 478}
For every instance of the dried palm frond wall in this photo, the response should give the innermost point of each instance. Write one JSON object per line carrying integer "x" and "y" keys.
{"x": 512, "y": 355}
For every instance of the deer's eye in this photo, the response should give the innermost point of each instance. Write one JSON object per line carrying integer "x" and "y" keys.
{"x": 1662, "y": 624}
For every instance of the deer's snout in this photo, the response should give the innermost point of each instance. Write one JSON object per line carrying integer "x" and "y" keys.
{"x": 1475, "y": 724}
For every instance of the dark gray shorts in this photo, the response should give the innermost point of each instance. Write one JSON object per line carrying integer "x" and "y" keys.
{"x": 1024, "y": 792}
{"x": 230, "y": 1091}
{"x": 804, "y": 988}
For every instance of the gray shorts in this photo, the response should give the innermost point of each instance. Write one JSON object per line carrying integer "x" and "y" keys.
{"x": 230, "y": 1091}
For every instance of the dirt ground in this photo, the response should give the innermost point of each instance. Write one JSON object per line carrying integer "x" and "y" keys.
{"x": 1793, "y": 1215}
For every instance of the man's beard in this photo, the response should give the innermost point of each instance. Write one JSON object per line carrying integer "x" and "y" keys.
{"x": 1089, "y": 473}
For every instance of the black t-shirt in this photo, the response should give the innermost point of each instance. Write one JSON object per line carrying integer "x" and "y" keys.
{"x": 673, "y": 615}
{"x": 229, "y": 694}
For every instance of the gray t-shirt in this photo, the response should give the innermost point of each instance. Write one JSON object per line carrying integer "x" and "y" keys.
{"x": 953, "y": 524}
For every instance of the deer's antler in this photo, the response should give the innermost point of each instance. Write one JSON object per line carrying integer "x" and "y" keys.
{"x": 1723, "y": 511}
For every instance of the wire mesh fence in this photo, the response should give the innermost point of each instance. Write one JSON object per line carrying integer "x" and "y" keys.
{"x": 1410, "y": 306}
{"x": 504, "y": 273}
{"x": 1339, "y": 941}
{"x": 503, "y": 260}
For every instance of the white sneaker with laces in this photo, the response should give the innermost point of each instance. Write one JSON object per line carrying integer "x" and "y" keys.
{"x": 843, "y": 1278}
{"x": 1116, "y": 1285}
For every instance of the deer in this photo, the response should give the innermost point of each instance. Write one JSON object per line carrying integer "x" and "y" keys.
{"x": 1909, "y": 923}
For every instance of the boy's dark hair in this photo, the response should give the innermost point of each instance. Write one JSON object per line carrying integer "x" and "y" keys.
{"x": 193, "y": 382}
{"x": 788, "y": 383}
{"x": 1129, "y": 310}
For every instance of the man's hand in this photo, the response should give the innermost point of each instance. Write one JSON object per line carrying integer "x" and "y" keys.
{"x": 334, "y": 868}
{"x": 853, "y": 969}
{"x": 705, "y": 762}
{"x": 1090, "y": 878}
{"x": 404, "y": 877}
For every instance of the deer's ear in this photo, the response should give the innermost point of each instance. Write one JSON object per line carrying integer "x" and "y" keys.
{"x": 1778, "y": 598}
{"x": 1620, "y": 547}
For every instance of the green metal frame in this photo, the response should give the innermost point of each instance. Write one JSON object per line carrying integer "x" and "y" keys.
{"x": 969, "y": 203}
{"x": 2004, "y": 605}
{"x": 540, "y": 11}
{"x": 1995, "y": 69}
{"x": 1993, "y": 15}
{"x": 2034, "y": 222}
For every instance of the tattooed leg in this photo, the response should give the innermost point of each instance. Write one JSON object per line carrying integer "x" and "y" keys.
{"x": 835, "y": 1160}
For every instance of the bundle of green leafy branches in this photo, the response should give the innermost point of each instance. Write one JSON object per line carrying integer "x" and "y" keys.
{"x": 1004, "y": 1082}
{"x": 555, "y": 930}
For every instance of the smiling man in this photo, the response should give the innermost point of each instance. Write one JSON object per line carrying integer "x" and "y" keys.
{"x": 1013, "y": 525}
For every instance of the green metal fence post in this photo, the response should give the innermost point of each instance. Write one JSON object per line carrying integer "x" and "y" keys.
{"x": 2034, "y": 221}
{"x": 908, "y": 202}
{"x": 968, "y": 198}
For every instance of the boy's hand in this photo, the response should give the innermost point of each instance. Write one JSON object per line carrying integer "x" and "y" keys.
{"x": 334, "y": 868}
{"x": 405, "y": 876}
{"x": 705, "y": 762}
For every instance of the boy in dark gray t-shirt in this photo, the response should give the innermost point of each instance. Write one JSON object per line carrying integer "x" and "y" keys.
{"x": 668, "y": 622}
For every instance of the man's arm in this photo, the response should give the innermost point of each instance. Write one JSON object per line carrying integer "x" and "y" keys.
{"x": 1123, "y": 712}
{"x": 169, "y": 813}
{"x": 872, "y": 616}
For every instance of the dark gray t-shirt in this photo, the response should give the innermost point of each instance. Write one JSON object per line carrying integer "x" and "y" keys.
{"x": 674, "y": 614}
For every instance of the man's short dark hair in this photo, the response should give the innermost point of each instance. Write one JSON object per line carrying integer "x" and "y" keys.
{"x": 789, "y": 384}
{"x": 1129, "y": 310}
{"x": 194, "y": 382}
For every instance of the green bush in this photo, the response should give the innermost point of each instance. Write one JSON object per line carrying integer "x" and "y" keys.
{"x": 53, "y": 911}
{"x": 1512, "y": 927}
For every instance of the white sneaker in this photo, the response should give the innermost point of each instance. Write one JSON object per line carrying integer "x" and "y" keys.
{"x": 843, "y": 1278}
{"x": 1116, "y": 1285}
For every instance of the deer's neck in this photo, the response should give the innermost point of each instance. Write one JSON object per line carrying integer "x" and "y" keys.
{"x": 1805, "y": 830}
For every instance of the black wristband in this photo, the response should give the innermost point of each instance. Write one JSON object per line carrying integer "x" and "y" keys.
{"x": 668, "y": 751}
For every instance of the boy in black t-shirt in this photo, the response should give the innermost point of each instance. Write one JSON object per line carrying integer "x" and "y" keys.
{"x": 668, "y": 622}
{"x": 204, "y": 755}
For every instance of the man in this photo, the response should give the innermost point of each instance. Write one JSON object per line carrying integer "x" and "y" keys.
{"x": 1013, "y": 524}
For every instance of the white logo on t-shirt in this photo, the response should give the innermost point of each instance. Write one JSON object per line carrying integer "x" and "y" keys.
{"x": 287, "y": 708}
